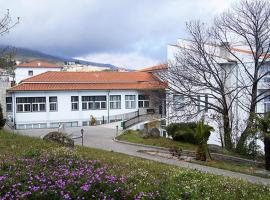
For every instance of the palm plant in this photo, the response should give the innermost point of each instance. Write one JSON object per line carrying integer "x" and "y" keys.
{"x": 263, "y": 124}
{"x": 202, "y": 134}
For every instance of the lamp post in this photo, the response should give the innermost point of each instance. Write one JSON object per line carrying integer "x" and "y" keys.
{"x": 82, "y": 131}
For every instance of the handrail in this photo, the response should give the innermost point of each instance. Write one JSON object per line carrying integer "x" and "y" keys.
{"x": 140, "y": 118}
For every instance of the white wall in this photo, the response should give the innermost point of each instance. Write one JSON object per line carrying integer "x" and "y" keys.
{"x": 22, "y": 72}
{"x": 64, "y": 112}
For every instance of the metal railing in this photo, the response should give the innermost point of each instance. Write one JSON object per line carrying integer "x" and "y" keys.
{"x": 140, "y": 118}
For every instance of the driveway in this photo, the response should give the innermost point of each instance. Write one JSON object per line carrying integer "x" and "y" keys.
{"x": 101, "y": 137}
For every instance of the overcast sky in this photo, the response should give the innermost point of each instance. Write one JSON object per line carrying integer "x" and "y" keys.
{"x": 126, "y": 33}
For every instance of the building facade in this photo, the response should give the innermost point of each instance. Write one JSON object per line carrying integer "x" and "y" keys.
{"x": 52, "y": 98}
{"x": 29, "y": 69}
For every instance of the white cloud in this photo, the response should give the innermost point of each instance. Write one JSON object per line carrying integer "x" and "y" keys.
{"x": 96, "y": 27}
{"x": 126, "y": 60}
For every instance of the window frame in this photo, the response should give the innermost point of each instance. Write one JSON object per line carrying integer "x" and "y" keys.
{"x": 128, "y": 102}
{"x": 30, "y": 73}
{"x": 142, "y": 101}
{"x": 53, "y": 103}
{"x": 115, "y": 103}
{"x": 9, "y": 103}
{"x": 91, "y": 102}
{"x": 74, "y": 102}
{"x": 179, "y": 106}
{"x": 31, "y": 102}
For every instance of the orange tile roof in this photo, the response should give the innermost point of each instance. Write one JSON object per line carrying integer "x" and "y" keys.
{"x": 38, "y": 64}
{"x": 154, "y": 68}
{"x": 90, "y": 81}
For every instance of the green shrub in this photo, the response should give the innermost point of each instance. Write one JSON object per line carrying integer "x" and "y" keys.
{"x": 184, "y": 132}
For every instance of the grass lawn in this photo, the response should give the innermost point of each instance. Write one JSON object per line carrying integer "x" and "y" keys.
{"x": 141, "y": 175}
{"x": 133, "y": 136}
{"x": 245, "y": 169}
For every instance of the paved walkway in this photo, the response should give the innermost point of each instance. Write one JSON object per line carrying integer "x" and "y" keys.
{"x": 101, "y": 137}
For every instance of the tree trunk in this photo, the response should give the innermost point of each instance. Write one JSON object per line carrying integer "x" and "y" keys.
{"x": 267, "y": 152}
{"x": 252, "y": 113}
{"x": 227, "y": 132}
{"x": 246, "y": 133}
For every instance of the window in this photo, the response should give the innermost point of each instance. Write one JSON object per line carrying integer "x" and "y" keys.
{"x": 53, "y": 103}
{"x": 31, "y": 104}
{"x": 9, "y": 104}
{"x": 115, "y": 101}
{"x": 266, "y": 79}
{"x": 266, "y": 103}
{"x": 94, "y": 102}
{"x": 30, "y": 73}
{"x": 130, "y": 101}
{"x": 85, "y": 123}
{"x": 71, "y": 124}
{"x": 74, "y": 103}
{"x": 178, "y": 102}
{"x": 144, "y": 101}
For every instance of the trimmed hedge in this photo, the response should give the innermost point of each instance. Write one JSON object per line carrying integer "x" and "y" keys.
{"x": 184, "y": 132}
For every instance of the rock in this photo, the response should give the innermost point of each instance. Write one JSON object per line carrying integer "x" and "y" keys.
{"x": 60, "y": 138}
{"x": 155, "y": 133}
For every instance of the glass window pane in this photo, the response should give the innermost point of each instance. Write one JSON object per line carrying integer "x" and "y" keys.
{"x": 27, "y": 107}
{"x": 19, "y": 107}
{"x": 90, "y": 105}
{"x": 103, "y": 105}
{"x": 42, "y": 107}
{"x": 8, "y": 99}
{"x": 97, "y": 105}
{"x": 35, "y": 107}
{"x": 146, "y": 104}
{"x": 84, "y": 106}
{"x": 52, "y": 99}
{"x": 74, "y": 106}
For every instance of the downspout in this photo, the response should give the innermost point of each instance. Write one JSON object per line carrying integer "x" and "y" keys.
{"x": 237, "y": 100}
{"x": 13, "y": 109}
{"x": 108, "y": 104}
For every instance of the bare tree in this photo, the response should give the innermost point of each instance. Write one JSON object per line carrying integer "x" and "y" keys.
{"x": 201, "y": 75}
{"x": 248, "y": 23}
{"x": 199, "y": 69}
{"x": 6, "y": 23}
{"x": 7, "y": 53}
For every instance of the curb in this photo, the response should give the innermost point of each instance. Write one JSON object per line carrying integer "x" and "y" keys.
{"x": 140, "y": 145}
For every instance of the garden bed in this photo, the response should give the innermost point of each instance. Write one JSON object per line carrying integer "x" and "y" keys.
{"x": 222, "y": 160}
{"x": 134, "y": 137}
{"x": 142, "y": 178}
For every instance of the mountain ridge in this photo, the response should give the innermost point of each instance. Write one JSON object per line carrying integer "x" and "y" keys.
{"x": 25, "y": 55}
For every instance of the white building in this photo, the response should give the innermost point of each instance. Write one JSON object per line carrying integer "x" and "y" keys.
{"x": 238, "y": 76}
{"x": 29, "y": 69}
{"x": 45, "y": 100}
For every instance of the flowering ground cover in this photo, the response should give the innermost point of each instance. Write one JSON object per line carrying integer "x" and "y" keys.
{"x": 31, "y": 168}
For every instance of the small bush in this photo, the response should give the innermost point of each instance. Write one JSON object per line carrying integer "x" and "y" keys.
{"x": 184, "y": 132}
